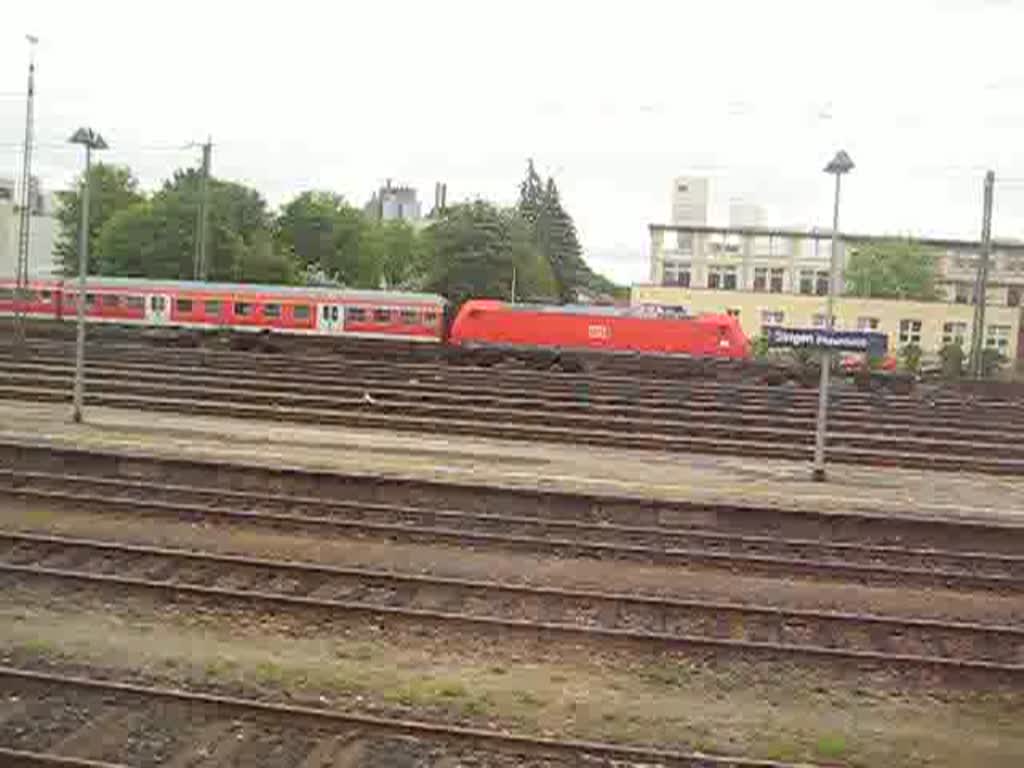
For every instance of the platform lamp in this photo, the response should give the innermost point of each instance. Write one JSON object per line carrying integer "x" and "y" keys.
{"x": 91, "y": 140}
{"x": 838, "y": 165}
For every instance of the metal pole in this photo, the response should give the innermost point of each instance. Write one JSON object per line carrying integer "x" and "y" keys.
{"x": 25, "y": 213}
{"x": 83, "y": 263}
{"x": 981, "y": 282}
{"x": 199, "y": 269}
{"x": 826, "y": 355}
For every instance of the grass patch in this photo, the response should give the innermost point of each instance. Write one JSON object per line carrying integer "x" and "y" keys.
{"x": 831, "y": 745}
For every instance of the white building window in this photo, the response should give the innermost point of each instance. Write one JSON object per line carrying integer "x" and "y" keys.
{"x": 818, "y": 321}
{"x": 733, "y": 312}
{"x": 998, "y": 337}
{"x": 963, "y": 293}
{"x": 867, "y": 323}
{"x": 760, "y": 278}
{"x": 722, "y": 278}
{"x": 777, "y": 280}
{"x": 684, "y": 243}
{"x": 676, "y": 273}
{"x": 954, "y": 333}
{"x": 821, "y": 282}
{"x": 772, "y": 317}
{"x": 807, "y": 281}
{"x": 781, "y": 246}
{"x": 910, "y": 332}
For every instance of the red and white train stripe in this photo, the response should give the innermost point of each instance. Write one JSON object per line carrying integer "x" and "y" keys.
{"x": 279, "y": 309}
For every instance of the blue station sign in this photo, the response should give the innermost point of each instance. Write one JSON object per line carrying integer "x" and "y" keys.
{"x": 868, "y": 342}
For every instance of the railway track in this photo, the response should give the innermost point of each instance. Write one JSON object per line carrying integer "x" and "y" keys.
{"x": 678, "y": 405}
{"x": 333, "y": 591}
{"x": 50, "y": 718}
{"x": 909, "y": 443}
{"x": 698, "y": 548}
{"x": 409, "y": 374}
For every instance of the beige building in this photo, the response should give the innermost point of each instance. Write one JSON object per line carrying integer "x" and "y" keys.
{"x": 770, "y": 260}
{"x": 930, "y": 325}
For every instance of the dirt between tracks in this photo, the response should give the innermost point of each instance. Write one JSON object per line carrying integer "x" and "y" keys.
{"x": 450, "y": 561}
{"x": 768, "y": 709}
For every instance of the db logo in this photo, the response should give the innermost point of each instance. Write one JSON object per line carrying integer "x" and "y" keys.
{"x": 599, "y": 332}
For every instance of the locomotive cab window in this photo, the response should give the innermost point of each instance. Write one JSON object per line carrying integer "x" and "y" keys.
{"x": 300, "y": 312}
{"x": 243, "y": 309}
{"x": 183, "y": 305}
{"x": 381, "y": 315}
{"x": 272, "y": 310}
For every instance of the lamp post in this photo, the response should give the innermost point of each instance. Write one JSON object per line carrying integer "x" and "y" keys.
{"x": 91, "y": 140}
{"x": 837, "y": 166}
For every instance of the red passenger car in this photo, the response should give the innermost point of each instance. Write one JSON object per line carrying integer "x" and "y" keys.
{"x": 488, "y": 323}
{"x": 238, "y": 307}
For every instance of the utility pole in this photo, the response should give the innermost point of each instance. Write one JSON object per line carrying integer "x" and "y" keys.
{"x": 25, "y": 212}
{"x": 981, "y": 282}
{"x": 199, "y": 266}
{"x": 91, "y": 140}
{"x": 839, "y": 165}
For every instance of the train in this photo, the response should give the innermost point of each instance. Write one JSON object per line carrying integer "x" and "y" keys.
{"x": 480, "y": 327}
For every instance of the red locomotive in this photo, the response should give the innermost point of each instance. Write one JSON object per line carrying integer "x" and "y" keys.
{"x": 485, "y": 323}
{"x": 480, "y": 324}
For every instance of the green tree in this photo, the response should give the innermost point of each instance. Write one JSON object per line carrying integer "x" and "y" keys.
{"x": 112, "y": 189}
{"x": 321, "y": 231}
{"x": 391, "y": 255}
{"x": 156, "y": 238}
{"x": 554, "y": 234}
{"x": 475, "y": 249}
{"x": 893, "y": 269}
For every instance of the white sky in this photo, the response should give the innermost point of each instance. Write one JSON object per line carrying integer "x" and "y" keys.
{"x": 613, "y": 99}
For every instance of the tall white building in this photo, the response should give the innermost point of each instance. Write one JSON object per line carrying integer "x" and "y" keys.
{"x": 690, "y": 201}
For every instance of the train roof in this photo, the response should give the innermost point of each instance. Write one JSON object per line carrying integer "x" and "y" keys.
{"x": 598, "y": 310}
{"x": 325, "y": 292}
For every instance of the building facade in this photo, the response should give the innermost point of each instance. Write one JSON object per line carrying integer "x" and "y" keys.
{"x": 928, "y": 324}
{"x": 690, "y": 200}
{"x": 394, "y": 203}
{"x": 43, "y": 232}
{"x": 741, "y": 259}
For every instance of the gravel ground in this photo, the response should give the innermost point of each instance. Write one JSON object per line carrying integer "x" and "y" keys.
{"x": 647, "y": 474}
{"x": 451, "y": 561}
{"x": 767, "y": 709}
